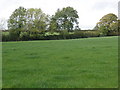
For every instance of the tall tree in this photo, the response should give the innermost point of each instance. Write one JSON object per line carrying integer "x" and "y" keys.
{"x": 17, "y": 21}
{"x": 66, "y": 19}
{"x": 36, "y": 20}
{"x": 106, "y": 22}
{"x": 52, "y": 25}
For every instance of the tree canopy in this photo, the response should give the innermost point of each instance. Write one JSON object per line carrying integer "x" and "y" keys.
{"x": 107, "y": 23}
{"x": 29, "y": 20}
{"x": 18, "y": 19}
{"x": 65, "y": 19}
{"x": 17, "y": 22}
{"x": 36, "y": 20}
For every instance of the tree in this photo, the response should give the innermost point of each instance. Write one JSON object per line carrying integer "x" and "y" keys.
{"x": 32, "y": 21}
{"x": 17, "y": 19}
{"x": 114, "y": 26}
{"x": 106, "y": 21}
{"x": 17, "y": 22}
{"x": 65, "y": 19}
{"x": 52, "y": 25}
{"x": 36, "y": 21}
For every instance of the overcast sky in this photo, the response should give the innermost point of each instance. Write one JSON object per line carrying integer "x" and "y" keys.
{"x": 89, "y": 11}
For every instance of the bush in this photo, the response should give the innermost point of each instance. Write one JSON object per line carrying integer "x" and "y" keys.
{"x": 86, "y": 34}
{"x": 64, "y": 34}
{"x": 113, "y": 33}
{"x": 14, "y": 35}
{"x": 81, "y": 34}
{"x": 24, "y": 36}
{"x": 36, "y": 37}
{"x": 92, "y": 33}
{"x": 6, "y": 37}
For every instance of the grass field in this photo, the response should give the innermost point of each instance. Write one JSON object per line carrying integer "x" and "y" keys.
{"x": 79, "y": 63}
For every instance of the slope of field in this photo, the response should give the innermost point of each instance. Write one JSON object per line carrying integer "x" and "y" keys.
{"x": 79, "y": 63}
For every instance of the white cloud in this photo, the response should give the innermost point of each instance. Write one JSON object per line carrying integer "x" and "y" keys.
{"x": 90, "y": 11}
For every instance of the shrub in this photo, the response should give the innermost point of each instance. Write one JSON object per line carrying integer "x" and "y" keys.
{"x": 86, "y": 34}
{"x": 113, "y": 33}
{"x": 64, "y": 34}
{"x": 80, "y": 34}
{"x": 92, "y": 33}
{"x": 6, "y": 37}
{"x": 36, "y": 37}
{"x": 14, "y": 35}
{"x": 24, "y": 36}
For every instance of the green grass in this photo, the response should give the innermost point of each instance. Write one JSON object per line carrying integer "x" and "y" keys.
{"x": 78, "y": 63}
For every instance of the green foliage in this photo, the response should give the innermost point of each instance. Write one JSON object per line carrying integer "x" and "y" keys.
{"x": 36, "y": 20}
{"x": 15, "y": 34}
{"x": 18, "y": 19}
{"x": 6, "y": 37}
{"x": 103, "y": 30}
{"x": 113, "y": 33}
{"x": 86, "y": 34}
{"x": 36, "y": 37}
{"x": 54, "y": 33}
{"x": 24, "y": 36}
{"x": 114, "y": 26}
{"x": 118, "y": 25}
{"x": 30, "y": 20}
{"x": 33, "y": 24}
{"x": 17, "y": 22}
{"x": 107, "y": 23}
{"x": 65, "y": 19}
{"x": 53, "y": 25}
{"x": 107, "y": 20}
{"x": 64, "y": 33}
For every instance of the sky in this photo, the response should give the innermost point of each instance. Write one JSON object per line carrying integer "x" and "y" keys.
{"x": 89, "y": 11}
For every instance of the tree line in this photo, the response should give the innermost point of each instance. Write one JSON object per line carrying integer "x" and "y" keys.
{"x": 34, "y": 24}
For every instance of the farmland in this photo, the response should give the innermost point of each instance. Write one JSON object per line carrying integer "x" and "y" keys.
{"x": 75, "y": 63}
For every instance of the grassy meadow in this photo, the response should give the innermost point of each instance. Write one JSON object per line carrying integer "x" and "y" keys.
{"x": 78, "y": 63}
